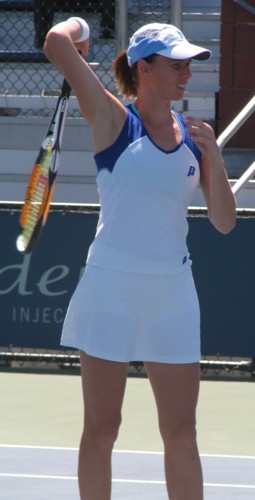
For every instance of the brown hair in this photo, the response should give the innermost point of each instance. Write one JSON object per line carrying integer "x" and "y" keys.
{"x": 126, "y": 77}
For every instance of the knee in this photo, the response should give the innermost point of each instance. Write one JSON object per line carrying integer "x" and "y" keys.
{"x": 102, "y": 428}
{"x": 182, "y": 435}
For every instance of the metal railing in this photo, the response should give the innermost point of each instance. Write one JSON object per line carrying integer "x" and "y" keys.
{"x": 247, "y": 6}
{"x": 226, "y": 135}
{"x": 238, "y": 121}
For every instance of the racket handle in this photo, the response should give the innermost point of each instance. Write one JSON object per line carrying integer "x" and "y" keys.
{"x": 65, "y": 89}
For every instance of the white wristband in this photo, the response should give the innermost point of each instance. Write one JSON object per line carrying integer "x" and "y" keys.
{"x": 84, "y": 27}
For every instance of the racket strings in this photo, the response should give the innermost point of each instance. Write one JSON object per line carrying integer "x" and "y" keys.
{"x": 36, "y": 198}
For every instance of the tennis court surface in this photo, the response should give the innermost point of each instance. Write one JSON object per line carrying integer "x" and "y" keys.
{"x": 41, "y": 418}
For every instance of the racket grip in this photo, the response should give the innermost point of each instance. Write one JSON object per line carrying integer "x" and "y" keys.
{"x": 65, "y": 89}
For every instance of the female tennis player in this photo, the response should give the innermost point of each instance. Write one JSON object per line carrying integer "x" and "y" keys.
{"x": 137, "y": 300}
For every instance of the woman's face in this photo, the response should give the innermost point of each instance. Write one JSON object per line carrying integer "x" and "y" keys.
{"x": 168, "y": 77}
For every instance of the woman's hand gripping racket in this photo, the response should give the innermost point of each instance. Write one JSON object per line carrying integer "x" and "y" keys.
{"x": 42, "y": 181}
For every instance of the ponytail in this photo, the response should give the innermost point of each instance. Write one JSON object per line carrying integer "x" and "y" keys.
{"x": 125, "y": 76}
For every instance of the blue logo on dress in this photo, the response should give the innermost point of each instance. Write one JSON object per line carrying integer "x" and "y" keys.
{"x": 191, "y": 171}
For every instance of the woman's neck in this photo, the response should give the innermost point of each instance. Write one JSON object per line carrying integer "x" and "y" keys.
{"x": 162, "y": 126}
{"x": 155, "y": 114}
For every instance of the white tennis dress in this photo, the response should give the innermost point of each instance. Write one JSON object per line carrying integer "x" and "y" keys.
{"x": 136, "y": 300}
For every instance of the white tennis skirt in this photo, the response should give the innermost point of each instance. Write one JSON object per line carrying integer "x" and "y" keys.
{"x": 121, "y": 316}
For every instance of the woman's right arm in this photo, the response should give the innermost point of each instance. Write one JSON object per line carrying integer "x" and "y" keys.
{"x": 104, "y": 113}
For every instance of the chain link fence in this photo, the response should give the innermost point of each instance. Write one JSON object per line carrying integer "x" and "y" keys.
{"x": 24, "y": 69}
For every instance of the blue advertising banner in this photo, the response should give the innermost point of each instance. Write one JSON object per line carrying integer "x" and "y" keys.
{"x": 35, "y": 289}
{"x": 224, "y": 272}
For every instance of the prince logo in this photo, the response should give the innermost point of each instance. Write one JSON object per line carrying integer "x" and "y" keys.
{"x": 191, "y": 171}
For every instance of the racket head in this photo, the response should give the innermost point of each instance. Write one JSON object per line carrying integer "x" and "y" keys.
{"x": 35, "y": 211}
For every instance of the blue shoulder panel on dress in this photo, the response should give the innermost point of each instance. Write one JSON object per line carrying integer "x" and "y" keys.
{"x": 187, "y": 140}
{"x": 132, "y": 130}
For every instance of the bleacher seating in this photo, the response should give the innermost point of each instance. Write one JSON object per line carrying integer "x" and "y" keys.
{"x": 28, "y": 85}
{"x": 19, "y": 57}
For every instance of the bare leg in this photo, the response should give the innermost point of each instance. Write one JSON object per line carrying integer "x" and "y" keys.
{"x": 176, "y": 389}
{"x": 103, "y": 384}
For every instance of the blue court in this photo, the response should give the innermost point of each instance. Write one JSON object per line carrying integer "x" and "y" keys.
{"x": 27, "y": 473}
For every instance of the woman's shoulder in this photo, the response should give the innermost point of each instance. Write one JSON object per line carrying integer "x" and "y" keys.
{"x": 131, "y": 131}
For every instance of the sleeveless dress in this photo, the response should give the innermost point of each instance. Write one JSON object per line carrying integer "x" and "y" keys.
{"x": 137, "y": 300}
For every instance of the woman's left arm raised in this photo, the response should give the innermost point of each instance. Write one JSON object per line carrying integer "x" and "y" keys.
{"x": 218, "y": 195}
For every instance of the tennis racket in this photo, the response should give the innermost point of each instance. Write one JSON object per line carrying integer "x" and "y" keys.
{"x": 40, "y": 188}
